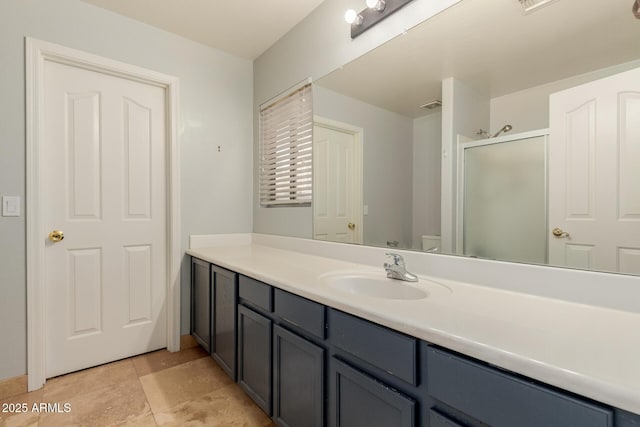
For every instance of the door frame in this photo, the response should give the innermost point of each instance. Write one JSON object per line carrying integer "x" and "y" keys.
{"x": 36, "y": 53}
{"x": 358, "y": 190}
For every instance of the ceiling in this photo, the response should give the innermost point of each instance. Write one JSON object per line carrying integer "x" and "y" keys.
{"x": 494, "y": 47}
{"x": 244, "y": 28}
{"x": 489, "y": 44}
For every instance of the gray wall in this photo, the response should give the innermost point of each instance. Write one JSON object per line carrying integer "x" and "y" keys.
{"x": 427, "y": 145}
{"x": 315, "y": 47}
{"x": 216, "y": 102}
{"x": 387, "y": 165}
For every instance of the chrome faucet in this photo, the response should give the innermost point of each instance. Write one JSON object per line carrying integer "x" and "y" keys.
{"x": 397, "y": 270}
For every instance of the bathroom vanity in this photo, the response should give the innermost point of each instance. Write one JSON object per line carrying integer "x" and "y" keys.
{"x": 312, "y": 351}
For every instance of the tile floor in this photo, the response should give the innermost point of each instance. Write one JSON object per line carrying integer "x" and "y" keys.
{"x": 186, "y": 388}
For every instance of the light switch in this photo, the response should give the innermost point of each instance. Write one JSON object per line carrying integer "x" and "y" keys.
{"x": 365, "y": 210}
{"x": 10, "y": 206}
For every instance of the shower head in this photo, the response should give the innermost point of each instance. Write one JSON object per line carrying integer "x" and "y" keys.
{"x": 505, "y": 128}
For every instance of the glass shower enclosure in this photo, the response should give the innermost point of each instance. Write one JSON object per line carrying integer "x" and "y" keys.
{"x": 502, "y": 212}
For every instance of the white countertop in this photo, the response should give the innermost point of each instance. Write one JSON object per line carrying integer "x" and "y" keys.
{"x": 589, "y": 350}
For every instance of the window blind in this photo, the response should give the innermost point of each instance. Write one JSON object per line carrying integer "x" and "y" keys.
{"x": 286, "y": 143}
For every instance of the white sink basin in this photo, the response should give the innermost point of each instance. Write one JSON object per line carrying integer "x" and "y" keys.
{"x": 377, "y": 285}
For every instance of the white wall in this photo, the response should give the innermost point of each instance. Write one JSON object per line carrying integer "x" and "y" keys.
{"x": 529, "y": 109}
{"x": 427, "y": 143}
{"x": 315, "y": 47}
{"x": 216, "y": 102}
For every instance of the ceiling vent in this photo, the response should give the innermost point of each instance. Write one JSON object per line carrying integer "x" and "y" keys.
{"x": 432, "y": 105}
{"x": 533, "y": 5}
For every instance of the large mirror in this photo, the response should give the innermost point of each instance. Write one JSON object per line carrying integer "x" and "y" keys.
{"x": 480, "y": 133}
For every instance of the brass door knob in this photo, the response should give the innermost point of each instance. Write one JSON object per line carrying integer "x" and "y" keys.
{"x": 559, "y": 233}
{"x": 56, "y": 236}
{"x": 351, "y": 226}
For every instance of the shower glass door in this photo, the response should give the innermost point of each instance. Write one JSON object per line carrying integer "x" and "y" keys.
{"x": 505, "y": 199}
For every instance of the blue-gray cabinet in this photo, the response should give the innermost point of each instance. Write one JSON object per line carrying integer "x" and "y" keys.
{"x": 255, "y": 294}
{"x": 286, "y": 376}
{"x": 224, "y": 292}
{"x": 501, "y": 399}
{"x": 383, "y": 348}
{"x": 214, "y": 293}
{"x": 200, "y": 300}
{"x": 358, "y": 400}
{"x": 307, "y": 365}
{"x": 436, "y": 419}
{"x": 298, "y": 380}
{"x": 254, "y": 356}
{"x": 305, "y": 316}
{"x": 374, "y": 378}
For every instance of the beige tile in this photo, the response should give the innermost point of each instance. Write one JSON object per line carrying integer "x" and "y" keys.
{"x": 107, "y": 394}
{"x": 163, "y": 359}
{"x": 184, "y": 388}
{"x": 112, "y": 404}
{"x": 82, "y": 382}
{"x": 187, "y": 341}
{"x": 21, "y": 409}
{"x": 140, "y": 421}
{"x": 13, "y": 386}
{"x": 226, "y": 406}
{"x": 170, "y": 387}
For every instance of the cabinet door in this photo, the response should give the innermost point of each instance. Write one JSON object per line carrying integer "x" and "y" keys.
{"x": 223, "y": 316}
{"x": 200, "y": 299}
{"x": 298, "y": 380}
{"x": 254, "y": 356}
{"x": 358, "y": 400}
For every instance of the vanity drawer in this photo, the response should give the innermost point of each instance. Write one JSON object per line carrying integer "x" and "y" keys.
{"x": 256, "y": 293}
{"x": 436, "y": 419}
{"x": 383, "y": 348}
{"x": 500, "y": 399}
{"x": 301, "y": 312}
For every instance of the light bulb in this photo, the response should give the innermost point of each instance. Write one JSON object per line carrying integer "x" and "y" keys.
{"x": 378, "y": 5}
{"x": 352, "y": 17}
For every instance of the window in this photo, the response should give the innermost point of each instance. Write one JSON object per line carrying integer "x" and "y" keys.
{"x": 286, "y": 143}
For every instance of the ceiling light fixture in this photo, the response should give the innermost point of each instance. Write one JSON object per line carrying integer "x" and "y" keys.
{"x": 375, "y": 12}
{"x": 377, "y": 5}
{"x": 354, "y": 18}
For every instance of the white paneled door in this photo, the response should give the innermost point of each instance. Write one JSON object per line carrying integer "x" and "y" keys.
{"x": 594, "y": 178}
{"x": 104, "y": 187}
{"x": 337, "y": 183}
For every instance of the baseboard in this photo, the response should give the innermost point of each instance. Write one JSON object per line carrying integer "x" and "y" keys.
{"x": 13, "y": 386}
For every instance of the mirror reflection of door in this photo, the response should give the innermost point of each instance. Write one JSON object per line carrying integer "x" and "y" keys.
{"x": 337, "y": 181}
{"x": 594, "y": 202}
